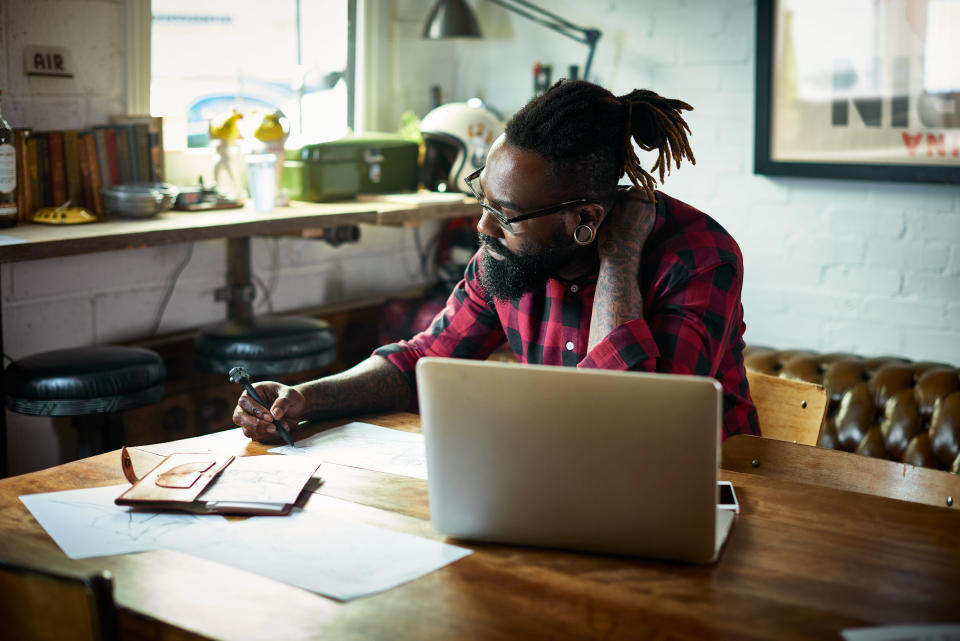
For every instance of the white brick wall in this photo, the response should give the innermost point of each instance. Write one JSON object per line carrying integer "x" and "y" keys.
{"x": 93, "y": 31}
{"x": 831, "y": 265}
{"x": 77, "y": 300}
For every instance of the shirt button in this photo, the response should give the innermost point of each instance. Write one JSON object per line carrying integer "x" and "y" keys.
{"x": 569, "y": 346}
{"x": 574, "y": 288}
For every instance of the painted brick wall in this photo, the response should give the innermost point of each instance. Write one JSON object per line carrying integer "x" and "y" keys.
{"x": 853, "y": 266}
{"x": 116, "y": 296}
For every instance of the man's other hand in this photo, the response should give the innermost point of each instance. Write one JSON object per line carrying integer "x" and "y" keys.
{"x": 625, "y": 229}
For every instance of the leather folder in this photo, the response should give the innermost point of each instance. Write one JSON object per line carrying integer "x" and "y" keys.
{"x": 212, "y": 483}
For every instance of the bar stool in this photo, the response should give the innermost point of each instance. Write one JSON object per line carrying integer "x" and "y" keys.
{"x": 93, "y": 385}
{"x": 268, "y": 346}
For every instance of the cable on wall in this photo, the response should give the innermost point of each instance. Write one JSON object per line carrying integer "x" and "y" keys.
{"x": 169, "y": 293}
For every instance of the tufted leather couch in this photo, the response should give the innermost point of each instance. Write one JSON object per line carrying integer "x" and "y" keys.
{"x": 886, "y": 407}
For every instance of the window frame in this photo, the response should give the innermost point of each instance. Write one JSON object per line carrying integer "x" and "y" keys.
{"x": 139, "y": 72}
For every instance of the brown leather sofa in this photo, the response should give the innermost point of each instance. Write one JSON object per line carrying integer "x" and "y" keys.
{"x": 886, "y": 407}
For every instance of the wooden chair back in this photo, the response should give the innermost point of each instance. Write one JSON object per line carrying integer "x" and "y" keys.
{"x": 788, "y": 410}
{"x": 42, "y": 604}
{"x": 841, "y": 470}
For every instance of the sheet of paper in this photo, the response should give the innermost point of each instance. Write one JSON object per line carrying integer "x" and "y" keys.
{"x": 86, "y": 522}
{"x": 920, "y": 632}
{"x": 329, "y": 555}
{"x": 262, "y": 479}
{"x": 335, "y": 557}
{"x": 225, "y": 441}
{"x": 367, "y": 446}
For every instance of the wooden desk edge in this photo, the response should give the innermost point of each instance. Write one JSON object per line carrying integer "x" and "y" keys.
{"x": 841, "y": 470}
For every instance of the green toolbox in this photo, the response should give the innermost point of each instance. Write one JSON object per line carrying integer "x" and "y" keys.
{"x": 365, "y": 164}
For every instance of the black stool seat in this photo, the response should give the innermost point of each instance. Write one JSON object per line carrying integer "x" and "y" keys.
{"x": 266, "y": 346}
{"x": 101, "y": 379}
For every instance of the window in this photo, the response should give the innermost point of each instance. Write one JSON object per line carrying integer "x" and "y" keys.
{"x": 210, "y": 56}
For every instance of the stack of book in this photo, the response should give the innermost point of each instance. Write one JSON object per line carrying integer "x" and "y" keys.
{"x": 54, "y": 167}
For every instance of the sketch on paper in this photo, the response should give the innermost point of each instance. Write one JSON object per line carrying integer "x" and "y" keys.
{"x": 345, "y": 560}
{"x": 261, "y": 479}
{"x": 366, "y": 446}
{"x": 86, "y": 522}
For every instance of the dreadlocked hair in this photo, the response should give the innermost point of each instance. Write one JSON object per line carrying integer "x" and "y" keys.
{"x": 586, "y": 134}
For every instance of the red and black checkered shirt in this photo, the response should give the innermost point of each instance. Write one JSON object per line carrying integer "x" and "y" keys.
{"x": 691, "y": 275}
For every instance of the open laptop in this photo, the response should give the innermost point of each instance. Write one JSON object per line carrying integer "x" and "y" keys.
{"x": 594, "y": 460}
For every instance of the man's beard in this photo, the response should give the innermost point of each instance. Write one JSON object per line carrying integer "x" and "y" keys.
{"x": 520, "y": 273}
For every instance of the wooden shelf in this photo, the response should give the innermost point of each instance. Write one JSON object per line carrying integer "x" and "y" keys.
{"x": 412, "y": 209}
{"x": 35, "y": 241}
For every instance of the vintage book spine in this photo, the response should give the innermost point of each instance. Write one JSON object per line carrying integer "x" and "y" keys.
{"x": 100, "y": 138}
{"x": 33, "y": 166}
{"x": 96, "y": 178}
{"x": 43, "y": 169}
{"x": 132, "y": 152}
{"x": 71, "y": 158}
{"x": 24, "y": 187}
{"x": 157, "y": 170}
{"x": 113, "y": 156}
{"x": 141, "y": 136}
{"x": 58, "y": 168}
{"x": 124, "y": 158}
{"x": 86, "y": 190}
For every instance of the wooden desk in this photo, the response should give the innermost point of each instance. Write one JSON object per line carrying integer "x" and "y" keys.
{"x": 802, "y": 562}
{"x": 237, "y": 226}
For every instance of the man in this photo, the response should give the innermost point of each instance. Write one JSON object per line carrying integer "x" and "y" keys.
{"x": 572, "y": 270}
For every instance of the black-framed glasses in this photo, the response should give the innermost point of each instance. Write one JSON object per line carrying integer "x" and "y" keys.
{"x": 506, "y": 222}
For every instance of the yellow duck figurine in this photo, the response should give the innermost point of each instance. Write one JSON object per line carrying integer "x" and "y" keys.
{"x": 226, "y": 133}
{"x": 228, "y": 130}
{"x": 272, "y": 128}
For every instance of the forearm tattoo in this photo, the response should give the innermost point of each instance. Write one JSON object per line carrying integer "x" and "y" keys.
{"x": 617, "y": 298}
{"x": 374, "y": 385}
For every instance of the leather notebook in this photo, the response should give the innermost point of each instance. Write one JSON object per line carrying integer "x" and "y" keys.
{"x": 212, "y": 483}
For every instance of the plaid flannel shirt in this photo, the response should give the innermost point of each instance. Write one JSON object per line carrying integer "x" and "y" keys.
{"x": 691, "y": 274}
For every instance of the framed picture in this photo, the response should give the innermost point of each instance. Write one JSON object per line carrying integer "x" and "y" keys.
{"x": 863, "y": 89}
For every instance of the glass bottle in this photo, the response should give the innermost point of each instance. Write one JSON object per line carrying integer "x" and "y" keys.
{"x": 8, "y": 174}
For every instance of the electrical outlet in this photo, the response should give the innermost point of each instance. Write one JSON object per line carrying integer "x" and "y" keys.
{"x": 47, "y": 61}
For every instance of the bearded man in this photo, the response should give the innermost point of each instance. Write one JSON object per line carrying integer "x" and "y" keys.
{"x": 573, "y": 269}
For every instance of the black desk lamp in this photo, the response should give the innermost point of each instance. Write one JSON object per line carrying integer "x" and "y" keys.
{"x": 454, "y": 19}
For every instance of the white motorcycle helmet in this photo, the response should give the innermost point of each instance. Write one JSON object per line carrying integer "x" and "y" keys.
{"x": 457, "y": 137}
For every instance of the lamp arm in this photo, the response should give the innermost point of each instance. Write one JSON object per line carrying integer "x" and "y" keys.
{"x": 593, "y": 45}
{"x": 552, "y": 21}
{"x": 556, "y": 23}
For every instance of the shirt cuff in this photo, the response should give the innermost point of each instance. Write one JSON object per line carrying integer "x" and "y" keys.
{"x": 405, "y": 360}
{"x": 628, "y": 347}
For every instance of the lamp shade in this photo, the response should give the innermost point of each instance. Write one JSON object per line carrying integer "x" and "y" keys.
{"x": 451, "y": 19}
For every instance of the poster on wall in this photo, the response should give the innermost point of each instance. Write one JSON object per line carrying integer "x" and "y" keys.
{"x": 866, "y": 89}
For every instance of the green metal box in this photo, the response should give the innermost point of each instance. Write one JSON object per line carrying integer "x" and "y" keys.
{"x": 367, "y": 164}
